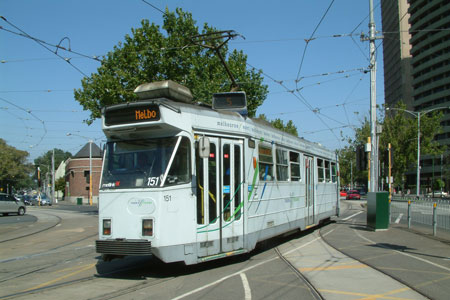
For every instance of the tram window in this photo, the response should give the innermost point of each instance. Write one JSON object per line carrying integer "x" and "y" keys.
{"x": 142, "y": 163}
{"x": 180, "y": 172}
{"x": 320, "y": 170}
{"x": 327, "y": 171}
{"x": 265, "y": 163}
{"x": 282, "y": 165}
{"x": 333, "y": 172}
{"x": 200, "y": 188}
{"x": 212, "y": 180}
{"x": 226, "y": 179}
{"x": 294, "y": 161}
{"x": 237, "y": 182}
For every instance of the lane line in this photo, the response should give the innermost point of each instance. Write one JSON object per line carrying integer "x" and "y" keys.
{"x": 60, "y": 278}
{"x": 398, "y": 218}
{"x": 246, "y": 269}
{"x": 349, "y": 217}
{"x": 247, "y": 290}
{"x": 332, "y": 268}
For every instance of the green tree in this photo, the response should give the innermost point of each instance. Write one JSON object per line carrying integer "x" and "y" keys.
{"x": 400, "y": 130}
{"x": 289, "y": 127}
{"x": 149, "y": 54}
{"x": 44, "y": 162}
{"x": 14, "y": 169}
{"x": 60, "y": 184}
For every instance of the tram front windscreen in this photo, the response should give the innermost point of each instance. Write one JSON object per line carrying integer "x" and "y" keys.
{"x": 147, "y": 163}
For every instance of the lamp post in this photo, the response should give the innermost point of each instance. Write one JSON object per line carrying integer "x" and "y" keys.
{"x": 90, "y": 165}
{"x": 417, "y": 114}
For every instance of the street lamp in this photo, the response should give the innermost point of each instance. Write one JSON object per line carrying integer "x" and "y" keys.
{"x": 90, "y": 165}
{"x": 417, "y": 114}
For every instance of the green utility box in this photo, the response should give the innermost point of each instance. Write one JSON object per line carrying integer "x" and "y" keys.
{"x": 79, "y": 201}
{"x": 378, "y": 210}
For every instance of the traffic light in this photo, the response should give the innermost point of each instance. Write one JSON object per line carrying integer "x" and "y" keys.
{"x": 361, "y": 158}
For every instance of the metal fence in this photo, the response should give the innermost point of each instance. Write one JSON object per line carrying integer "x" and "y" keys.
{"x": 425, "y": 211}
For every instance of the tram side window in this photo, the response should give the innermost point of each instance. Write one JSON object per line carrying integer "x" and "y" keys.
{"x": 282, "y": 165}
{"x": 265, "y": 163}
{"x": 327, "y": 171}
{"x": 320, "y": 170}
{"x": 333, "y": 172}
{"x": 294, "y": 161}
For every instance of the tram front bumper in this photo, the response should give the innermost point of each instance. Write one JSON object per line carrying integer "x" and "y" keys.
{"x": 123, "y": 247}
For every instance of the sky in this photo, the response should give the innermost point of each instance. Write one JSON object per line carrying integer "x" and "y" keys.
{"x": 320, "y": 85}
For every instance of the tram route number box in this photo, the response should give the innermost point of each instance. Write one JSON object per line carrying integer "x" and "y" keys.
{"x": 378, "y": 210}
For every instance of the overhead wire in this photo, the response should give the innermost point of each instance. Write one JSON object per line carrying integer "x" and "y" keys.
{"x": 31, "y": 114}
{"x": 43, "y": 45}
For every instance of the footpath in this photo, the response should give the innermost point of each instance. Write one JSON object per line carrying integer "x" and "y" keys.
{"x": 346, "y": 260}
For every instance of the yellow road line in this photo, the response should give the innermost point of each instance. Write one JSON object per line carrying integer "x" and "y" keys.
{"x": 344, "y": 267}
{"x": 60, "y": 278}
{"x": 369, "y": 296}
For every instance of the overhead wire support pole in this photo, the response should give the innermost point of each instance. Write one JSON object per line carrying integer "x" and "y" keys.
{"x": 373, "y": 102}
{"x": 201, "y": 40}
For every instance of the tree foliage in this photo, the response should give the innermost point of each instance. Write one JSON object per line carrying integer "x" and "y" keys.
{"x": 149, "y": 54}
{"x": 44, "y": 162}
{"x": 289, "y": 127}
{"x": 14, "y": 169}
{"x": 400, "y": 130}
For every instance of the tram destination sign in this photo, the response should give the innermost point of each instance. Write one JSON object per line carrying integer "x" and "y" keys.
{"x": 132, "y": 114}
{"x": 235, "y": 101}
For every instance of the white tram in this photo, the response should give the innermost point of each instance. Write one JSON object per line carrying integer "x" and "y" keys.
{"x": 187, "y": 182}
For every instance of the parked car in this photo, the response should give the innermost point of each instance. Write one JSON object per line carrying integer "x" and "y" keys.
{"x": 438, "y": 194}
{"x": 353, "y": 194}
{"x": 28, "y": 200}
{"x": 43, "y": 199}
{"x": 343, "y": 193}
{"x": 9, "y": 204}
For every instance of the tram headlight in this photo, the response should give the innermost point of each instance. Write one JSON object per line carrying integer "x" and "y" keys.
{"x": 147, "y": 227}
{"x": 106, "y": 226}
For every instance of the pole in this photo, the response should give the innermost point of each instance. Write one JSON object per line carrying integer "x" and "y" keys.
{"x": 418, "y": 154}
{"x": 53, "y": 177}
{"x": 373, "y": 105}
{"x": 90, "y": 172}
{"x": 369, "y": 173}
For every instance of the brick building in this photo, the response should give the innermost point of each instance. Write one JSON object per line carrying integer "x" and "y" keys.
{"x": 77, "y": 175}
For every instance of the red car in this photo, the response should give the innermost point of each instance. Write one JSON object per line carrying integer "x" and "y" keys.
{"x": 353, "y": 194}
{"x": 343, "y": 193}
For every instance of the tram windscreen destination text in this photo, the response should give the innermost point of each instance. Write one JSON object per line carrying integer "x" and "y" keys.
{"x": 132, "y": 114}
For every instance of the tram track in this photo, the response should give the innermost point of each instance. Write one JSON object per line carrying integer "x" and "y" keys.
{"x": 314, "y": 292}
{"x": 59, "y": 219}
{"x": 373, "y": 266}
{"x": 144, "y": 283}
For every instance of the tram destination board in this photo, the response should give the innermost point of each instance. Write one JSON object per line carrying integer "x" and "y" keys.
{"x": 132, "y": 114}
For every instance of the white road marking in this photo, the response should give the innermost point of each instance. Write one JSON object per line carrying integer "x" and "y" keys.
{"x": 398, "y": 218}
{"x": 245, "y": 270}
{"x": 247, "y": 290}
{"x": 349, "y": 217}
{"x": 405, "y": 254}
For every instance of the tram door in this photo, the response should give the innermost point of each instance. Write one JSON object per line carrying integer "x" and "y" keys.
{"x": 309, "y": 182}
{"x": 219, "y": 197}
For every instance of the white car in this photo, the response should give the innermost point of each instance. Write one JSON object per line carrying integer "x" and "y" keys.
{"x": 9, "y": 204}
{"x": 438, "y": 194}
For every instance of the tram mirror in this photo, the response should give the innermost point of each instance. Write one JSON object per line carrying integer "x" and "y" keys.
{"x": 203, "y": 147}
